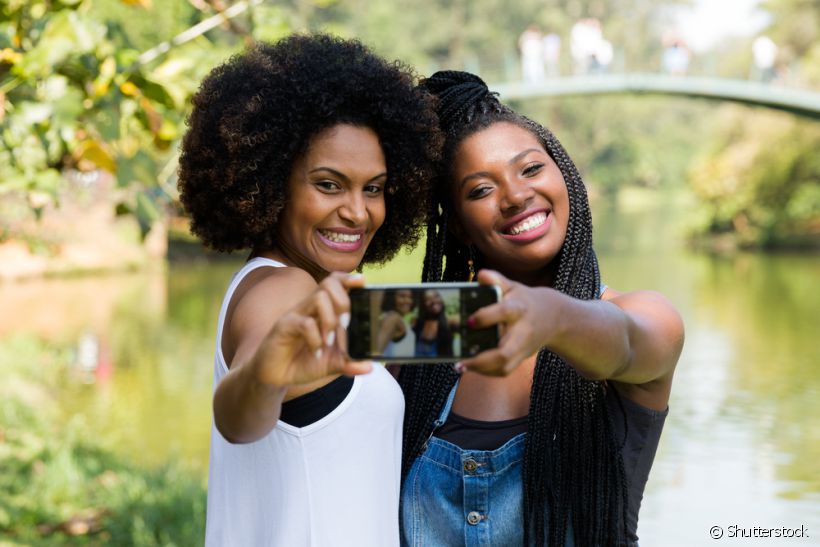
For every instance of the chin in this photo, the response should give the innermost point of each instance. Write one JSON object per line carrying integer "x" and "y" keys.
{"x": 341, "y": 264}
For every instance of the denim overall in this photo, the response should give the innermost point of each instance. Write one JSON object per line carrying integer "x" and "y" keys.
{"x": 457, "y": 497}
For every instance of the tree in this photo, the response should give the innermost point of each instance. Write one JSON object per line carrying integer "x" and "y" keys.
{"x": 74, "y": 97}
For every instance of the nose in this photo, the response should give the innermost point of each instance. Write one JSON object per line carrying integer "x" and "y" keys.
{"x": 516, "y": 195}
{"x": 354, "y": 209}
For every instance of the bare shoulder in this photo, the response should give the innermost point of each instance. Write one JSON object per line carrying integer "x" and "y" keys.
{"x": 270, "y": 292}
{"x": 261, "y": 298}
{"x": 652, "y": 308}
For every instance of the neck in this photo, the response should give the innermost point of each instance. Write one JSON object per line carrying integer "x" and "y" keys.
{"x": 544, "y": 277}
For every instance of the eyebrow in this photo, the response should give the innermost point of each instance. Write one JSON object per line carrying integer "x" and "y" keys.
{"x": 485, "y": 174}
{"x": 341, "y": 175}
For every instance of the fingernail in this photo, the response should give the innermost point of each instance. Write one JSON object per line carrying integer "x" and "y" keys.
{"x": 331, "y": 337}
{"x": 344, "y": 319}
{"x": 458, "y": 367}
{"x": 471, "y": 322}
{"x": 355, "y": 276}
{"x": 318, "y": 354}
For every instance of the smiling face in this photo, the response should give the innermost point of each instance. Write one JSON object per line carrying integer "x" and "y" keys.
{"x": 433, "y": 304}
{"x": 404, "y": 301}
{"x": 510, "y": 200}
{"x": 336, "y": 197}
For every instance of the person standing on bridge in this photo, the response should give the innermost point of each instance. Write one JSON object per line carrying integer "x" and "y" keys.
{"x": 764, "y": 53}
{"x": 532, "y": 54}
{"x": 549, "y": 438}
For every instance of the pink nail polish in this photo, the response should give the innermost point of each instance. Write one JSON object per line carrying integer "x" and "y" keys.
{"x": 471, "y": 322}
{"x": 458, "y": 367}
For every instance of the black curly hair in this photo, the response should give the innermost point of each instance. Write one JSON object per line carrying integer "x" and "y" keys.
{"x": 254, "y": 115}
{"x": 389, "y": 300}
{"x": 573, "y": 472}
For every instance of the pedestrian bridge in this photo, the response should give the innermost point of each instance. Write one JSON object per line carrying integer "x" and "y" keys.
{"x": 801, "y": 102}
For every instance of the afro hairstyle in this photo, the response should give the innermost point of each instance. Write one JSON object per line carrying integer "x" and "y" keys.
{"x": 254, "y": 115}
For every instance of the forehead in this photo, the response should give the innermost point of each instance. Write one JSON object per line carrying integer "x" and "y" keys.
{"x": 345, "y": 147}
{"x": 499, "y": 142}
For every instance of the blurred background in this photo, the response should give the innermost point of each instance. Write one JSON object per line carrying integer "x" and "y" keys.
{"x": 696, "y": 125}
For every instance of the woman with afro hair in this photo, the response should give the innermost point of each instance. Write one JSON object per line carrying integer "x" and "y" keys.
{"x": 312, "y": 154}
{"x": 547, "y": 439}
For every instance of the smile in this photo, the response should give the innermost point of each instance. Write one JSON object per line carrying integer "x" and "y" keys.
{"x": 341, "y": 241}
{"x": 529, "y": 223}
{"x": 530, "y": 227}
{"x": 340, "y": 238}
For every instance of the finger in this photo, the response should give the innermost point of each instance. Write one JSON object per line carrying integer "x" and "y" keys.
{"x": 492, "y": 277}
{"x": 489, "y": 363}
{"x": 337, "y": 292}
{"x": 308, "y": 329}
{"x": 506, "y": 311}
{"x": 327, "y": 317}
{"x": 353, "y": 280}
{"x": 354, "y": 368}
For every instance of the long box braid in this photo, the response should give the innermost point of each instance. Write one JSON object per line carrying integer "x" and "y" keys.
{"x": 573, "y": 471}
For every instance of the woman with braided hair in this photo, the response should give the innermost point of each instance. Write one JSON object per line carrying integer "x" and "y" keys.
{"x": 549, "y": 438}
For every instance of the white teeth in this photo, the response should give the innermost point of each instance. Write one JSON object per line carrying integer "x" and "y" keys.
{"x": 341, "y": 238}
{"x": 529, "y": 223}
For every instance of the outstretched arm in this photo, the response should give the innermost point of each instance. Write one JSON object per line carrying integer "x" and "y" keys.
{"x": 633, "y": 338}
{"x": 285, "y": 330}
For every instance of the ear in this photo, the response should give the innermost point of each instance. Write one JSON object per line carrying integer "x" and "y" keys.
{"x": 455, "y": 227}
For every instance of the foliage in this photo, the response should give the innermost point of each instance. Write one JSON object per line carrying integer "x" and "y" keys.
{"x": 760, "y": 186}
{"x": 762, "y": 183}
{"x": 74, "y": 96}
{"x": 61, "y": 485}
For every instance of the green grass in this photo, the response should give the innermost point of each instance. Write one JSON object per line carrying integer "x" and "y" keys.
{"x": 60, "y": 485}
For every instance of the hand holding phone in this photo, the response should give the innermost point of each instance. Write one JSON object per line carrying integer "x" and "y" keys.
{"x": 419, "y": 323}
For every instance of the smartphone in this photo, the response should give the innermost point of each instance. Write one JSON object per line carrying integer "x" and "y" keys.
{"x": 419, "y": 323}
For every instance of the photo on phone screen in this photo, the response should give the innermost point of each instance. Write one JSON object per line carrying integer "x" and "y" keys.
{"x": 419, "y": 323}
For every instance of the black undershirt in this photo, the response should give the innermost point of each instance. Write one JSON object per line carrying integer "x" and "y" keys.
{"x": 312, "y": 407}
{"x": 470, "y": 434}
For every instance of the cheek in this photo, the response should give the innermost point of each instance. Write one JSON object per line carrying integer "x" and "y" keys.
{"x": 476, "y": 219}
{"x": 378, "y": 212}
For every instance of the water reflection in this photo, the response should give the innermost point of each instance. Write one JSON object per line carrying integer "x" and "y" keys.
{"x": 741, "y": 445}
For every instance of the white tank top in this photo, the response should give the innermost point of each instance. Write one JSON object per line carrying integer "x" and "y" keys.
{"x": 334, "y": 482}
{"x": 406, "y": 347}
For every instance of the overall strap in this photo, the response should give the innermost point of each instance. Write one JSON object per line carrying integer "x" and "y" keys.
{"x": 447, "y": 406}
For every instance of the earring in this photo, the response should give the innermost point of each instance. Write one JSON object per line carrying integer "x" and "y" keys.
{"x": 471, "y": 263}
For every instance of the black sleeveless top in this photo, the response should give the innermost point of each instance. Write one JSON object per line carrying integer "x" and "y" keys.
{"x": 312, "y": 407}
{"x": 637, "y": 429}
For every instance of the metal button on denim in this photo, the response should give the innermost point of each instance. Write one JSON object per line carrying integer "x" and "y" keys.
{"x": 473, "y": 517}
{"x": 470, "y": 465}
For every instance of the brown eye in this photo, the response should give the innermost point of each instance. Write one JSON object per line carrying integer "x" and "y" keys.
{"x": 478, "y": 192}
{"x": 327, "y": 186}
{"x": 533, "y": 169}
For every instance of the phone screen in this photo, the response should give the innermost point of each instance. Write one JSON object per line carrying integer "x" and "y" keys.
{"x": 421, "y": 323}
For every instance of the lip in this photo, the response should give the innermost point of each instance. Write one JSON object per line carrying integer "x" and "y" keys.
{"x": 531, "y": 234}
{"x": 344, "y": 247}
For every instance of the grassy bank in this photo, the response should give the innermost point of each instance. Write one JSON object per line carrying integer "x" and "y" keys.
{"x": 61, "y": 485}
